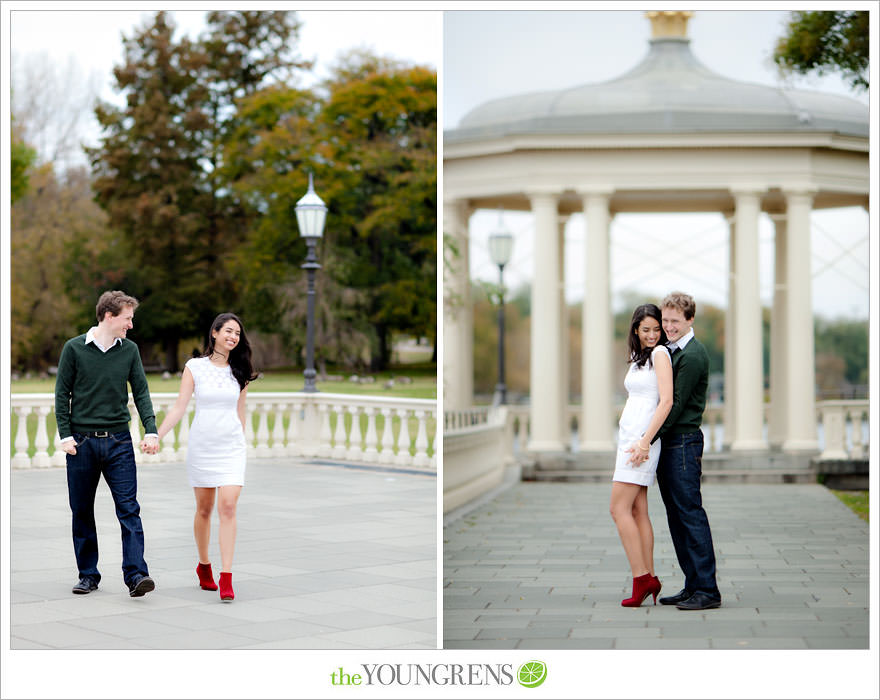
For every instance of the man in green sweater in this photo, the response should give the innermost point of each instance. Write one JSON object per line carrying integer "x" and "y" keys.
{"x": 91, "y": 408}
{"x": 680, "y": 467}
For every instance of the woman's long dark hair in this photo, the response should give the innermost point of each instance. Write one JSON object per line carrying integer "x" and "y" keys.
{"x": 637, "y": 353}
{"x": 240, "y": 357}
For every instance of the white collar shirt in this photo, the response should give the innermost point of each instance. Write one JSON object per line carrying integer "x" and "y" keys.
{"x": 91, "y": 337}
{"x": 681, "y": 342}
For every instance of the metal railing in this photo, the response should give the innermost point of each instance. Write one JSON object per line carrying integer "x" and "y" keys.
{"x": 335, "y": 426}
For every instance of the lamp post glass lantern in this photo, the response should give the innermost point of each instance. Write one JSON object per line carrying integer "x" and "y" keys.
{"x": 500, "y": 250}
{"x": 310, "y": 215}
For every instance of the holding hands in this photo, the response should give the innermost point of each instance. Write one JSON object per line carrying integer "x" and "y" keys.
{"x": 150, "y": 445}
{"x": 639, "y": 452}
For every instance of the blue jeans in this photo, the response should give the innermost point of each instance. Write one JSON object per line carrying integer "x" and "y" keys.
{"x": 112, "y": 456}
{"x": 678, "y": 476}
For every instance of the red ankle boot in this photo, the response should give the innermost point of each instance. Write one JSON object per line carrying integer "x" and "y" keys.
{"x": 643, "y": 586}
{"x": 227, "y": 595}
{"x": 206, "y": 577}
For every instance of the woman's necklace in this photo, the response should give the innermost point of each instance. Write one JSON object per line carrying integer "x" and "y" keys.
{"x": 225, "y": 359}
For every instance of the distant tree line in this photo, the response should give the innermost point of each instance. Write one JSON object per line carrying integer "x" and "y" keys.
{"x": 841, "y": 346}
{"x": 188, "y": 203}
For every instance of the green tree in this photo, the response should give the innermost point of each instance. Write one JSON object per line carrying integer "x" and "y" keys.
{"x": 848, "y": 341}
{"x": 23, "y": 158}
{"x": 156, "y": 168}
{"x": 369, "y": 137}
{"x": 378, "y": 129}
{"x": 46, "y": 223}
{"x": 824, "y": 42}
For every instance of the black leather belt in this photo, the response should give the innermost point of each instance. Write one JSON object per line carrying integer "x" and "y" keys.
{"x": 98, "y": 433}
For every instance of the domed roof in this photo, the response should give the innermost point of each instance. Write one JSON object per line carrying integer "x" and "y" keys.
{"x": 670, "y": 91}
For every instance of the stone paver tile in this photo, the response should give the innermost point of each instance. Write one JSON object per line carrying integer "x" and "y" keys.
{"x": 272, "y": 631}
{"x": 382, "y": 637}
{"x": 124, "y": 626}
{"x": 196, "y": 639}
{"x": 482, "y": 644}
{"x": 452, "y": 633}
{"x": 523, "y": 633}
{"x": 758, "y": 643}
{"x": 614, "y": 632}
{"x": 60, "y": 635}
{"x": 661, "y": 643}
{"x": 354, "y": 619}
{"x": 301, "y": 643}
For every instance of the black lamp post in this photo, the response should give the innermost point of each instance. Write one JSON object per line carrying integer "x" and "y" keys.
{"x": 500, "y": 250}
{"x": 310, "y": 215}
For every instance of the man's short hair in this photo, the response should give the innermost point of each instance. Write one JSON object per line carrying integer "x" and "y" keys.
{"x": 681, "y": 301}
{"x": 114, "y": 302}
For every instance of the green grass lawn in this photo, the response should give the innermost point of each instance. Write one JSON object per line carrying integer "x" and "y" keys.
{"x": 856, "y": 500}
{"x": 424, "y": 384}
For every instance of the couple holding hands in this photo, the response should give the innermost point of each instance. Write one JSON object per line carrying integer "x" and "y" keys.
{"x": 91, "y": 409}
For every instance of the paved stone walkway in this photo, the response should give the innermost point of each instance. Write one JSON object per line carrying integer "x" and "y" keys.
{"x": 327, "y": 557}
{"x": 540, "y": 566}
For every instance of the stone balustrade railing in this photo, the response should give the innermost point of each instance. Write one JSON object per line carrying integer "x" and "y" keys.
{"x": 465, "y": 418}
{"x": 842, "y": 429}
{"x": 839, "y": 423}
{"x": 475, "y": 454}
{"x": 332, "y": 426}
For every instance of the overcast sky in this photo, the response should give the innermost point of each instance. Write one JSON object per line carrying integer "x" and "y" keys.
{"x": 488, "y": 54}
{"x": 88, "y": 42}
{"x": 496, "y": 54}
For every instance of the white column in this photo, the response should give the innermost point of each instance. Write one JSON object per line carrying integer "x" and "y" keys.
{"x": 800, "y": 362}
{"x": 778, "y": 335}
{"x": 597, "y": 410}
{"x": 748, "y": 389}
{"x": 458, "y": 315}
{"x": 544, "y": 383}
{"x": 729, "y": 335}
{"x": 564, "y": 349}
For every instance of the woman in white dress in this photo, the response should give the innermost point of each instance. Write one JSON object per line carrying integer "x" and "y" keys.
{"x": 216, "y": 452}
{"x": 649, "y": 387}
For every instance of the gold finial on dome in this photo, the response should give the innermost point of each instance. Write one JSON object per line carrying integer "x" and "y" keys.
{"x": 669, "y": 24}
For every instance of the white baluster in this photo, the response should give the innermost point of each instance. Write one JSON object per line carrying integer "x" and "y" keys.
{"x": 403, "y": 439}
{"x": 134, "y": 428}
{"x": 387, "y": 437}
{"x": 835, "y": 433}
{"x": 294, "y": 431}
{"x": 278, "y": 449}
{"x": 183, "y": 437}
{"x": 339, "y": 432}
{"x": 421, "y": 457}
{"x": 249, "y": 436}
{"x": 325, "y": 449}
{"x": 432, "y": 415}
{"x": 263, "y": 430}
{"x": 858, "y": 446}
{"x": 59, "y": 456}
{"x": 41, "y": 441}
{"x": 20, "y": 459}
{"x": 355, "y": 450}
{"x": 167, "y": 453}
{"x": 371, "y": 454}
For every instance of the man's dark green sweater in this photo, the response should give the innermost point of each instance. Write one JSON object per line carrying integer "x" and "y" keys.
{"x": 91, "y": 391}
{"x": 690, "y": 381}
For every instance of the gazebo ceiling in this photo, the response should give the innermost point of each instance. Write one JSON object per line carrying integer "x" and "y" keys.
{"x": 669, "y": 92}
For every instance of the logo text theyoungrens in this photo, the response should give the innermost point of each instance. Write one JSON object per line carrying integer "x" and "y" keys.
{"x": 426, "y": 674}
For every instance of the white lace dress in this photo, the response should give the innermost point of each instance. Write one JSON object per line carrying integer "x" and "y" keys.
{"x": 641, "y": 403}
{"x": 216, "y": 452}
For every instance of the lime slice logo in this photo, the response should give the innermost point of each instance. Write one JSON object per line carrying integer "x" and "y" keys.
{"x": 532, "y": 673}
